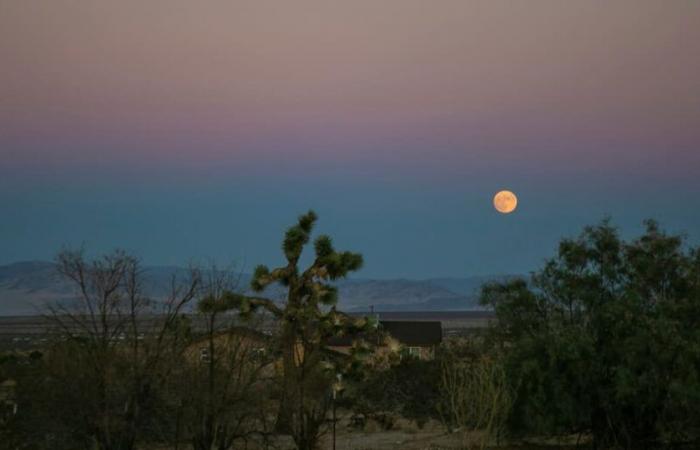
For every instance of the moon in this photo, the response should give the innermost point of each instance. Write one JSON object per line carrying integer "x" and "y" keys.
{"x": 505, "y": 202}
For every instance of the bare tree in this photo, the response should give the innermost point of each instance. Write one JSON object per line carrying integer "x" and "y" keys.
{"x": 225, "y": 378}
{"x": 121, "y": 341}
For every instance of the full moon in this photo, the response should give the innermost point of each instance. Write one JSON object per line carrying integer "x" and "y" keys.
{"x": 505, "y": 202}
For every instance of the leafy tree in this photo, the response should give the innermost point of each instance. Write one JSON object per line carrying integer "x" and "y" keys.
{"x": 306, "y": 321}
{"x": 604, "y": 339}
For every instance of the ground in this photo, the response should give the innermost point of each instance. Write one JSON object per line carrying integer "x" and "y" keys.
{"x": 407, "y": 436}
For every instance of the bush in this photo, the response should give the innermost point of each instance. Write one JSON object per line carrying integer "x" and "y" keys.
{"x": 474, "y": 391}
{"x": 605, "y": 340}
{"x": 409, "y": 388}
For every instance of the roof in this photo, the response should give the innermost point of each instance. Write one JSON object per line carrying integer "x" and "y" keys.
{"x": 414, "y": 333}
{"x": 411, "y": 333}
{"x": 250, "y": 333}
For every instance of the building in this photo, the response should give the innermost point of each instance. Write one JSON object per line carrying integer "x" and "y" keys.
{"x": 415, "y": 338}
{"x": 230, "y": 344}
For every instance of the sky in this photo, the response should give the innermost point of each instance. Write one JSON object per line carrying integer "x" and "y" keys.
{"x": 196, "y": 131}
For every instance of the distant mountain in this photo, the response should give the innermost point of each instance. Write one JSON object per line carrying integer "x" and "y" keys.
{"x": 26, "y": 287}
{"x": 30, "y": 276}
{"x": 469, "y": 286}
{"x": 363, "y": 293}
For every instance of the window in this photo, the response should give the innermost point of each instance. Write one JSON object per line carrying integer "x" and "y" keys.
{"x": 414, "y": 351}
{"x": 204, "y": 354}
{"x": 411, "y": 352}
{"x": 258, "y": 353}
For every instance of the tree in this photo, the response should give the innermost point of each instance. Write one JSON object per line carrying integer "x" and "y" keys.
{"x": 306, "y": 321}
{"x": 115, "y": 345}
{"x": 605, "y": 340}
{"x": 223, "y": 385}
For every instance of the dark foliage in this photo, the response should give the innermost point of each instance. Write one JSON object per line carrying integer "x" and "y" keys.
{"x": 409, "y": 388}
{"x": 605, "y": 340}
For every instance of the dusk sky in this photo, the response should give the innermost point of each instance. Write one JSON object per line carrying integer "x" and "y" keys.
{"x": 183, "y": 130}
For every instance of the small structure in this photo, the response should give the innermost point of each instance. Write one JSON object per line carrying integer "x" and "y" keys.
{"x": 8, "y": 405}
{"x": 416, "y": 338}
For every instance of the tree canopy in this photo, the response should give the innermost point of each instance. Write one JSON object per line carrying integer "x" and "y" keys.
{"x": 604, "y": 339}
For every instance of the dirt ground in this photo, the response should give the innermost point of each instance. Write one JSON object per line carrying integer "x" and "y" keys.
{"x": 407, "y": 435}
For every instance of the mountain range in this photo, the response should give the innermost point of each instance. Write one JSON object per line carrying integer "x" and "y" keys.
{"x": 27, "y": 287}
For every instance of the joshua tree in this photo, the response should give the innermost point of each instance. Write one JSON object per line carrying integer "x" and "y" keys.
{"x": 306, "y": 321}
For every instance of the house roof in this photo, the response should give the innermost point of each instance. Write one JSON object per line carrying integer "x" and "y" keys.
{"x": 414, "y": 333}
{"x": 243, "y": 332}
{"x": 411, "y": 333}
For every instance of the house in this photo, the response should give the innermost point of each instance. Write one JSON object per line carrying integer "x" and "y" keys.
{"x": 415, "y": 338}
{"x": 234, "y": 343}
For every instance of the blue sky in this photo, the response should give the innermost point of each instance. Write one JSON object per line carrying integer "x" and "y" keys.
{"x": 201, "y": 130}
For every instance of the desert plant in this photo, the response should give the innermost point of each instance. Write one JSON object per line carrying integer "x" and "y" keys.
{"x": 475, "y": 395}
{"x": 307, "y": 319}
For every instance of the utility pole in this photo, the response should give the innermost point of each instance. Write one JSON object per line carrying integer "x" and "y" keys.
{"x": 335, "y": 393}
{"x": 337, "y": 387}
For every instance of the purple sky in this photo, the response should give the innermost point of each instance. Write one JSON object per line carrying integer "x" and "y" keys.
{"x": 187, "y": 129}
